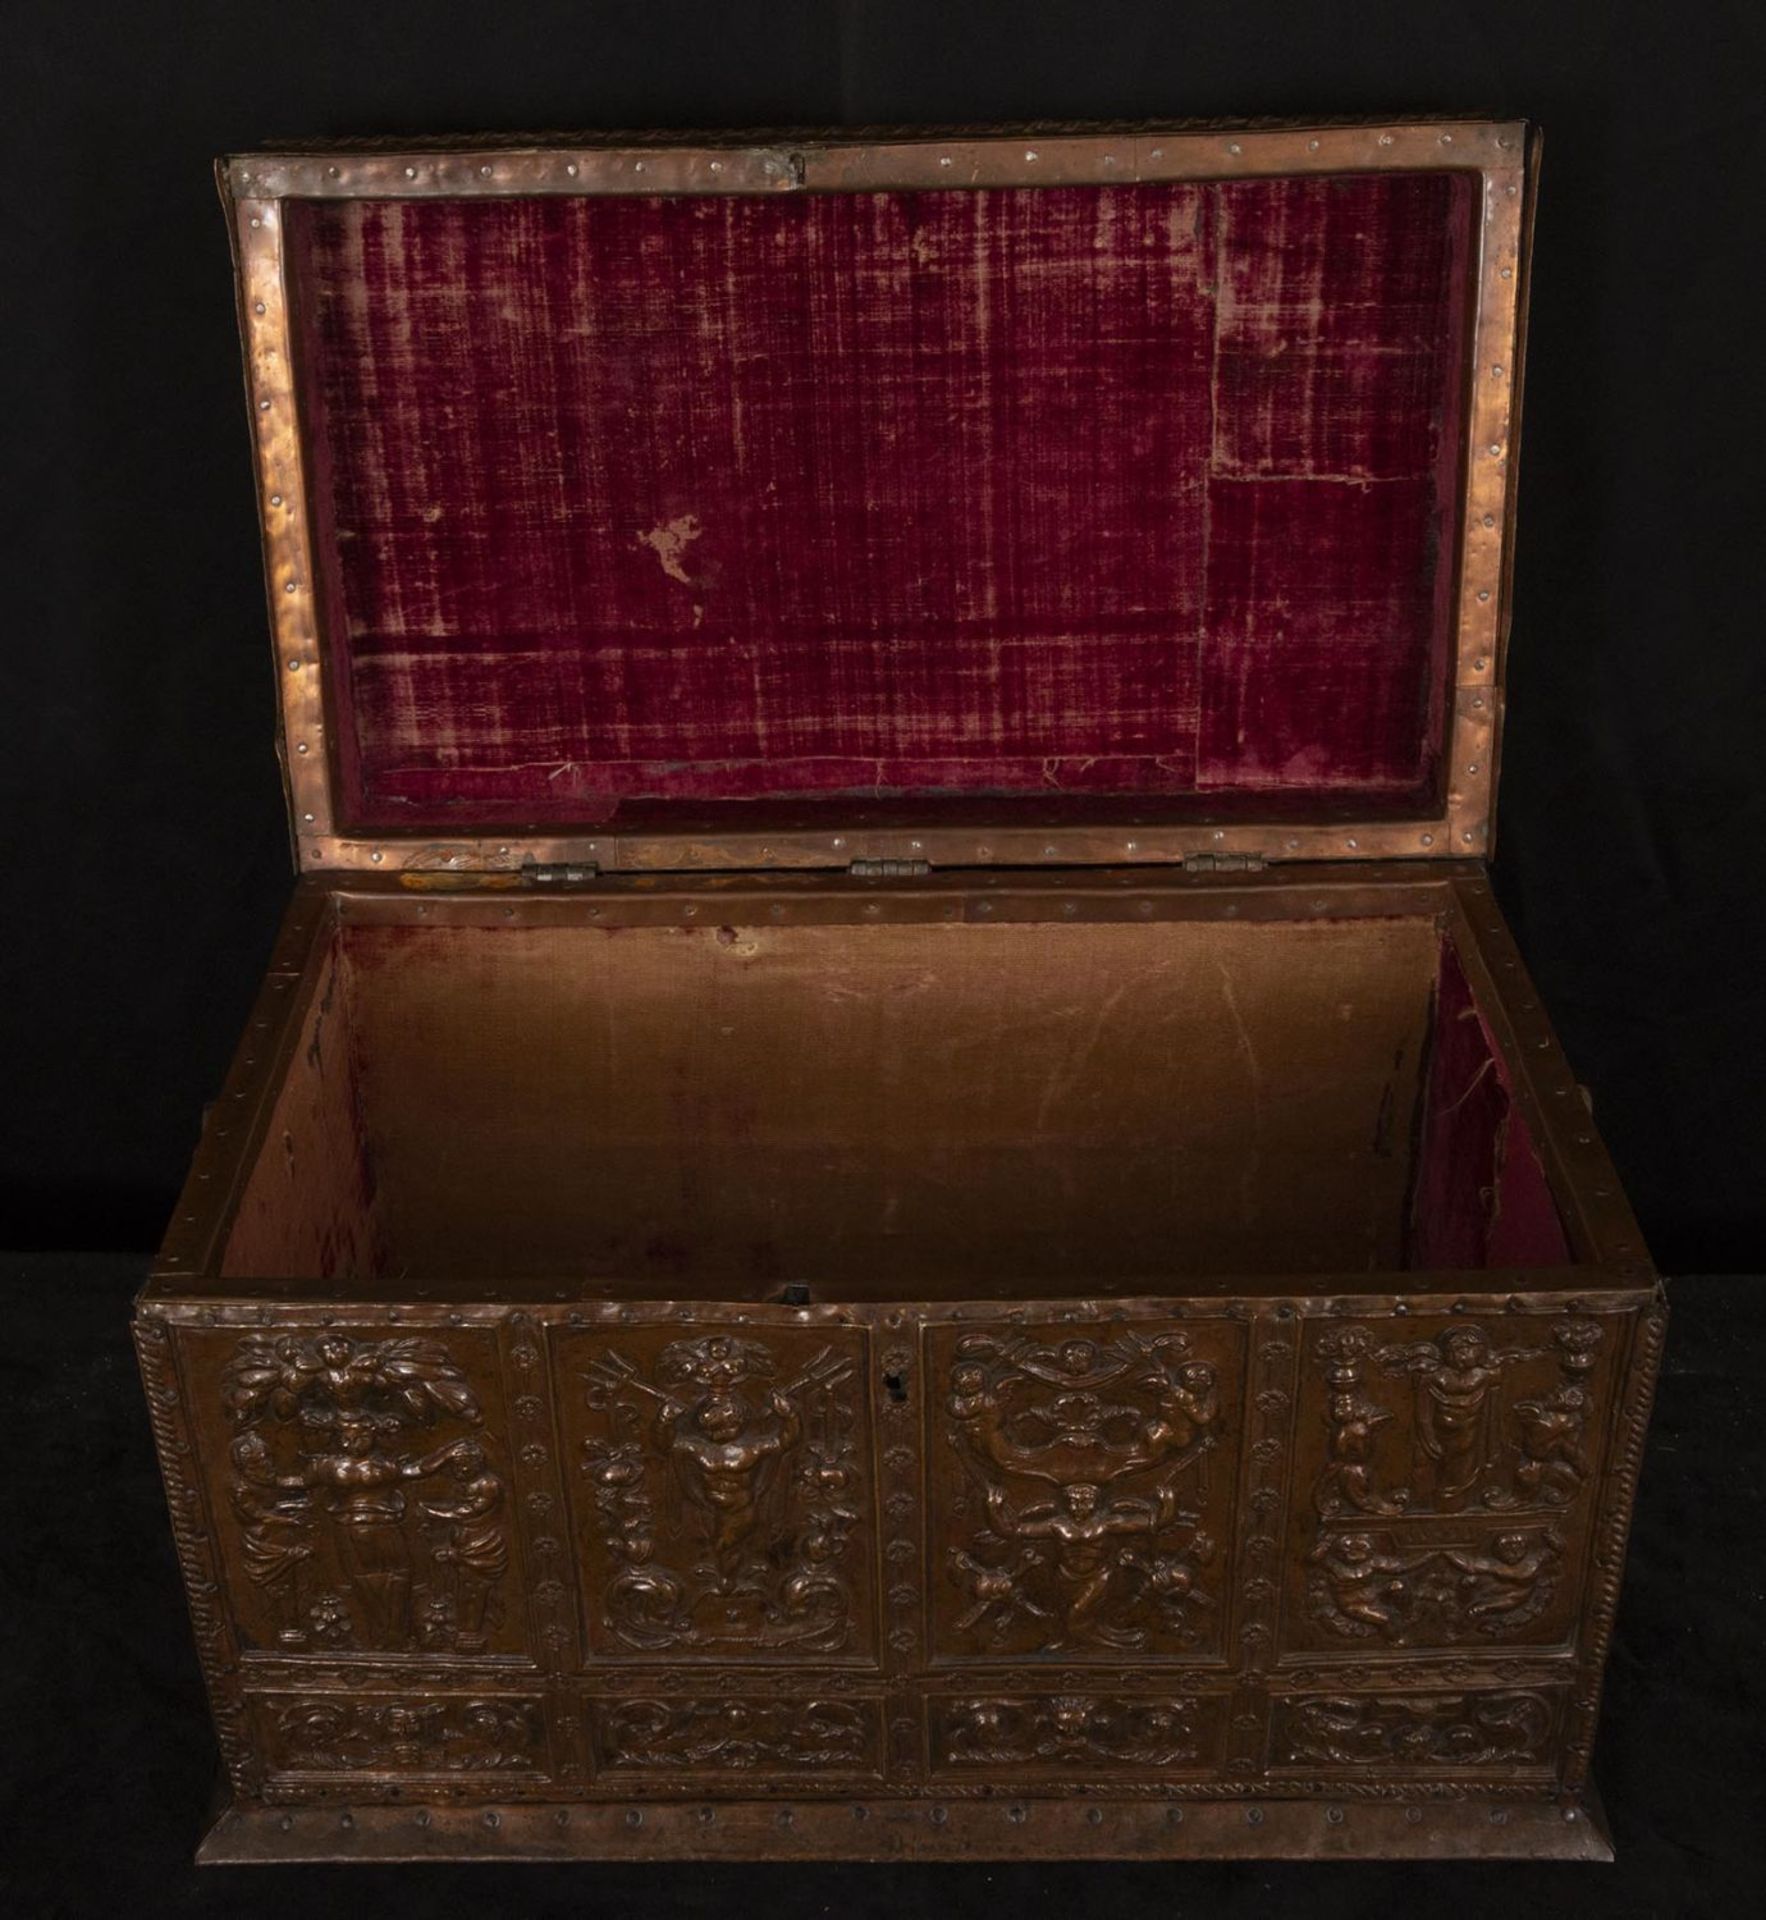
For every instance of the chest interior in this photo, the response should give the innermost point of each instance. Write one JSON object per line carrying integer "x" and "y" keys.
{"x": 732, "y": 1094}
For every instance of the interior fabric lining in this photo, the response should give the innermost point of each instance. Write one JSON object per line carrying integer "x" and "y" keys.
{"x": 1482, "y": 1197}
{"x": 924, "y": 1109}
{"x": 1144, "y": 490}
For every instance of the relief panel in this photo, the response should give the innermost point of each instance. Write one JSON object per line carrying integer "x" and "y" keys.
{"x": 1073, "y": 1735}
{"x": 360, "y": 1484}
{"x": 431, "y": 1735}
{"x": 720, "y": 1485}
{"x": 1452, "y": 1499}
{"x": 1510, "y": 1730}
{"x": 748, "y": 1735}
{"x": 1084, "y": 1479}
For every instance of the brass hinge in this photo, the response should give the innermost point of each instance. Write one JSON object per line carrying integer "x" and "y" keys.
{"x": 889, "y": 869}
{"x": 558, "y": 873}
{"x": 1223, "y": 863}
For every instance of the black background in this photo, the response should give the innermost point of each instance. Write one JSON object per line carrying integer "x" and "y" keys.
{"x": 140, "y": 816}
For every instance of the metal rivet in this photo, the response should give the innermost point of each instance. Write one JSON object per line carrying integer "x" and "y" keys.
{"x": 707, "y": 1815}
{"x": 1017, "y": 1815}
{"x": 861, "y": 1813}
{"x": 263, "y": 406}
{"x": 308, "y": 817}
{"x": 255, "y": 221}
{"x": 1385, "y": 139}
{"x": 938, "y": 1816}
{"x": 1029, "y": 153}
{"x": 1094, "y": 1816}
{"x": 1496, "y": 373}
{"x": 634, "y": 1816}
{"x": 1473, "y": 767}
{"x": 1232, "y": 146}
{"x": 637, "y": 166}
{"x": 1253, "y": 1816}
{"x": 1467, "y": 838}
{"x": 562, "y": 1817}
{"x": 1334, "y": 1815}
{"x": 347, "y": 1820}
{"x": 1496, "y": 453}
{"x": 717, "y": 166}
{"x": 291, "y": 586}
{"x": 1447, "y": 139}
{"x": 1508, "y": 273}
{"x": 485, "y": 172}
{"x": 257, "y": 306}
{"x": 1478, "y": 666}
{"x": 1499, "y": 1816}
{"x": 1143, "y": 906}
{"x": 1413, "y": 1815}
{"x": 1483, "y": 594}
{"x": 944, "y": 159}
{"x": 410, "y": 173}
{"x": 786, "y": 1817}
{"x": 275, "y": 499}
{"x": 493, "y": 1819}
{"x": 286, "y": 1823}
{"x": 570, "y": 168}
{"x": 1352, "y": 841}
{"x": 377, "y": 857}
{"x": 1312, "y": 146}
{"x": 1490, "y": 519}
{"x": 300, "y": 746}
{"x": 984, "y": 906}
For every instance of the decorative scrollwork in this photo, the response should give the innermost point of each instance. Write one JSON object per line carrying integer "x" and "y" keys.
{"x": 1415, "y": 1730}
{"x": 355, "y": 1537}
{"x": 724, "y": 1497}
{"x": 1072, "y": 1730}
{"x": 736, "y": 1735}
{"x": 323, "y": 1733}
{"x": 1091, "y": 1460}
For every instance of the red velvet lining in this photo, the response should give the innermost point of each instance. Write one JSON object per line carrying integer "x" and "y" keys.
{"x": 1077, "y": 491}
{"x": 1482, "y": 1198}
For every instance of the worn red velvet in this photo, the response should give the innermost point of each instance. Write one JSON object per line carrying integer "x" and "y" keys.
{"x": 1069, "y": 492}
{"x": 1481, "y": 1195}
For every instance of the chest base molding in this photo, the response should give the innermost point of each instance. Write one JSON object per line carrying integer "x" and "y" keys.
{"x": 1001, "y": 1827}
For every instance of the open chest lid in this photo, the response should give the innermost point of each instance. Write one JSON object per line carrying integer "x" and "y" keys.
{"x": 1020, "y": 499}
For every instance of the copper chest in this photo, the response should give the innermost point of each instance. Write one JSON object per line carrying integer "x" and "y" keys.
{"x": 895, "y": 1191}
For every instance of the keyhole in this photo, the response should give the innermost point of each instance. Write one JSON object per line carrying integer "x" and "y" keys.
{"x": 898, "y": 1387}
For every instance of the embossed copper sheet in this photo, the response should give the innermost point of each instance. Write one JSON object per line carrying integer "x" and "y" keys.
{"x": 1069, "y": 491}
{"x": 922, "y": 1106}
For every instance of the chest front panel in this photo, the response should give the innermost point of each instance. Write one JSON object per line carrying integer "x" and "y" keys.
{"x": 1198, "y": 1548}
